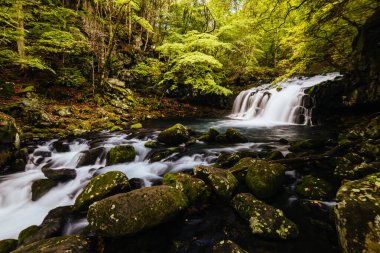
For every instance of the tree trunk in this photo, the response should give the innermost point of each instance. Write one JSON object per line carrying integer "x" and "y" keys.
{"x": 20, "y": 31}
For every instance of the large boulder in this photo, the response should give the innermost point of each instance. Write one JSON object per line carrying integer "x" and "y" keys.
{"x": 264, "y": 220}
{"x": 234, "y": 136}
{"x": 89, "y": 157}
{"x": 100, "y": 187}
{"x": 41, "y": 187}
{"x": 59, "y": 174}
{"x": 128, "y": 213}
{"x": 6, "y": 246}
{"x": 174, "y": 135}
{"x": 69, "y": 243}
{"x": 227, "y": 246}
{"x": 9, "y": 133}
{"x": 121, "y": 154}
{"x": 315, "y": 188}
{"x": 221, "y": 181}
{"x": 195, "y": 189}
{"x": 264, "y": 179}
{"x": 299, "y": 146}
{"x": 357, "y": 215}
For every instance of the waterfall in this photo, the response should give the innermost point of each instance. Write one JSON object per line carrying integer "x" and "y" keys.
{"x": 288, "y": 103}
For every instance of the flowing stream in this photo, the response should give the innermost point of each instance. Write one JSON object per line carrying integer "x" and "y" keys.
{"x": 255, "y": 114}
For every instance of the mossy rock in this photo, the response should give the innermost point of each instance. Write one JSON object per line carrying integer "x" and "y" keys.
{"x": 121, "y": 154}
{"x": 264, "y": 179}
{"x": 210, "y": 136}
{"x": 69, "y": 243}
{"x": 227, "y": 246}
{"x": 264, "y": 220}
{"x": 299, "y": 146}
{"x": 357, "y": 215}
{"x": 100, "y": 187}
{"x": 59, "y": 174}
{"x": 159, "y": 155}
{"x": 27, "y": 233}
{"x": 234, "y": 136}
{"x": 41, "y": 187}
{"x": 345, "y": 169}
{"x": 174, "y": 135}
{"x": 5, "y": 157}
{"x": 195, "y": 189}
{"x": 314, "y": 188}
{"x": 275, "y": 155}
{"x": 6, "y": 246}
{"x": 9, "y": 132}
{"x": 89, "y": 157}
{"x": 136, "y": 126}
{"x": 228, "y": 160}
{"x": 222, "y": 182}
{"x": 372, "y": 129}
{"x": 242, "y": 168}
{"x": 129, "y": 213}
{"x": 151, "y": 144}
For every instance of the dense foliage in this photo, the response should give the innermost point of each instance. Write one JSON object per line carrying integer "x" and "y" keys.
{"x": 184, "y": 47}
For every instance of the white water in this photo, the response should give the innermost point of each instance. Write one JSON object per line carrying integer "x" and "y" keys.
{"x": 18, "y": 211}
{"x": 265, "y": 105}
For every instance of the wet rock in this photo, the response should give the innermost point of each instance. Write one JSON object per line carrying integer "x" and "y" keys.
{"x": 264, "y": 220}
{"x": 283, "y": 141}
{"x": 308, "y": 144}
{"x": 175, "y": 135}
{"x": 51, "y": 226}
{"x": 159, "y": 155}
{"x": 357, "y": 215}
{"x": 89, "y": 157}
{"x": 314, "y": 188}
{"x": 151, "y": 144}
{"x": 60, "y": 147}
{"x": 41, "y": 187}
{"x": 100, "y": 187}
{"x": 42, "y": 153}
{"x": 136, "y": 126}
{"x": 61, "y": 175}
{"x": 136, "y": 183}
{"x": 128, "y": 213}
{"x": 264, "y": 179}
{"x": 222, "y": 182}
{"x": 345, "y": 169}
{"x": 5, "y": 157}
{"x": 210, "y": 136}
{"x": 121, "y": 154}
{"x": 6, "y": 246}
{"x": 233, "y": 136}
{"x": 228, "y": 160}
{"x": 227, "y": 246}
{"x": 239, "y": 170}
{"x": 9, "y": 132}
{"x": 195, "y": 189}
{"x": 274, "y": 155}
{"x": 69, "y": 243}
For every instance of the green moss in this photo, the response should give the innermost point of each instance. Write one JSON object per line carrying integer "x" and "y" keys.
{"x": 233, "y": 136}
{"x": 174, "y": 135}
{"x": 129, "y": 213}
{"x": 195, "y": 189}
{"x": 158, "y": 156}
{"x": 314, "y": 188}
{"x": 121, "y": 154}
{"x": 264, "y": 179}
{"x": 227, "y": 246}
{"x": 308, "y": 144}
{"x": 136, "y": 126}
{"x": 41, "y": 187}
{"x": 151, "y": 144}
{"x": 6, "y": 246}
{"x": 264, "y": 220}
{"x": 27, "y": 233}
{"x": 221, "y": 181}
{"x": 116, "y": 128}
{"x": 101, "y": 187}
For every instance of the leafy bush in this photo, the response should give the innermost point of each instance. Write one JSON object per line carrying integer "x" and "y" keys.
{"x": 70, "y": 77}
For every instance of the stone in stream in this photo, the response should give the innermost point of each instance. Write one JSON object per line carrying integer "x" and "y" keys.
{"x": 227, "y": 246}
{"x": 349, "y": 169}
{"x": 68, "y": 243}
{"x": 234, "y": 136}
{"x": 129, "y": 213}
{"x": 61, "y": 175}
{"x": 51, "y": 226}
{"x": 240, "y": 168}
{"x": 89, "y": 157}
{"x": 121, "y": 154}
{"x": 314, "y": 188}
{"x": 9, "y": 132}
{"x": 210, "y": 137}
{"x": 8, "y": 245}
{"x": 100, "y": 187}
{"x": 41, "y": 187}
{"x": 357, "y": 215}
{"x": 222, "y": 182}
{"x": 195, "y": 189}
{"x": 151, "y": 144}
{"x": 264, "y": 179}
{"x": 264, "y": 220}
{"x": 174, "y": 135}
{"x": 60, "y": 147}
{"x": 299, "y": 146}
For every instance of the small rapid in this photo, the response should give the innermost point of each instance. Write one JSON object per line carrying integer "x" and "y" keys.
{"x": 285, "y": 104}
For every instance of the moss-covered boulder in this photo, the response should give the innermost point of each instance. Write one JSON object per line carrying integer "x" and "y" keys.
{"x": 121, "y": 154}
{"x": 27, "y": 233}
{"x": 59, "y": 174}
{"x": 274, "y": 155}
{"x": 227, "y": 246}
{"x": 6, "y": 246}
{"x": 151, "y": 144}
{"x": 348, "y": 169}
{"x": 299, "y": 146}
{"x": 239, "y": 170}
{"x": 41, "y": 187}
{"x": 264, "y": 220}
{"x": 100, "y": 187}
{"x": 128, "y": 213}
{"x": 315, "y": 188}
{"x": 136, "y": 126}
{"x": 89, "y": 157}
{"x": 9, "y": 132}
{"x": 228, "y": 160}
{"x": 264, "y": 179}
{"x": 162, "y": 154}
{"x": 69, "y": 243}
{"x": 174, "y": 135}
{"x": 210, "y": 136}
{"x": 357, "y": 215}
{"x": 195, "y": 189}
{"x": 222, "y": 182}
{"x": 234, "y": 136}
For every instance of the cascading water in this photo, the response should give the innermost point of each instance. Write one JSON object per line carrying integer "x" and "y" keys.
{"x": 286, "y": 105}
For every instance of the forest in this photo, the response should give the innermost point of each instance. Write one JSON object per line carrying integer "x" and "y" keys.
{"x": 189, "y": 126}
